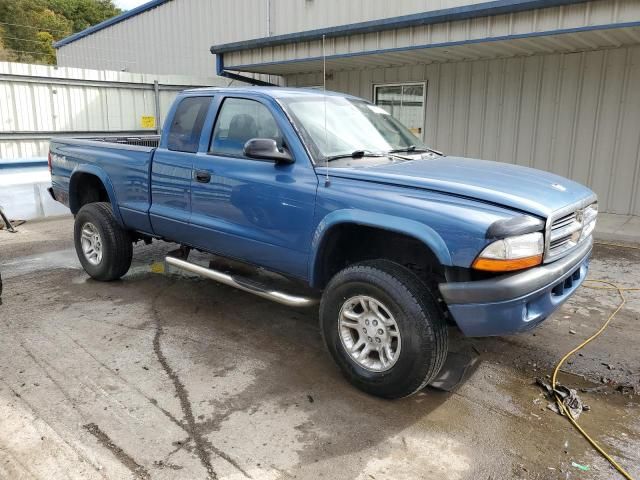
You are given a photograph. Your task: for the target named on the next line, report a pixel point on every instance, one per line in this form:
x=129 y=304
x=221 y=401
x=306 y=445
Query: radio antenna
x=324 y=91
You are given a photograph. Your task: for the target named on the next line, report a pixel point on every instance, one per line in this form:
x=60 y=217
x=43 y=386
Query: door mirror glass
x=266 y=149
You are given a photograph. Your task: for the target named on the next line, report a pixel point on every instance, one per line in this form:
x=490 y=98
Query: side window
x=240 y=120
x=184 y=133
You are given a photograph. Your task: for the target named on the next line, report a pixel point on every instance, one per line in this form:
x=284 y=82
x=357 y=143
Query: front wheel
x=104 y=248
x=383 y=328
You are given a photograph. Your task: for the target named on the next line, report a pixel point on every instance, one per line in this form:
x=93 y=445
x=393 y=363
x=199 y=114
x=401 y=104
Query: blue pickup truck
x=394 y=239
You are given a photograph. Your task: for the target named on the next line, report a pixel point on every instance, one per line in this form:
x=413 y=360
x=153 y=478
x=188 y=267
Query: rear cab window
x=186 y=126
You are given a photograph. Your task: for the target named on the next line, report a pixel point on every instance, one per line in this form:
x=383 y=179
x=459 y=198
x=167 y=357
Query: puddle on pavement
x=40 y=262
x=67 y=259
x=612 y=420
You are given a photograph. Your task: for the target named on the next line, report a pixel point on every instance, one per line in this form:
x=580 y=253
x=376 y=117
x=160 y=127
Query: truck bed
x=123 y=165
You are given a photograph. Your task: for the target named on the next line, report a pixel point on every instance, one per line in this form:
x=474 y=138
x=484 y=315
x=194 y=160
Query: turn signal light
x=493 y=265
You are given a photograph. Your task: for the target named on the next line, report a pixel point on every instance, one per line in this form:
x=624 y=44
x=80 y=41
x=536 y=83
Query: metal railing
x=141 y=141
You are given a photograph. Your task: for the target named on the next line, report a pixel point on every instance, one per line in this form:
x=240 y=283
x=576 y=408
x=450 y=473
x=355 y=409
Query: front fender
x=106 y=182
x=420 y=231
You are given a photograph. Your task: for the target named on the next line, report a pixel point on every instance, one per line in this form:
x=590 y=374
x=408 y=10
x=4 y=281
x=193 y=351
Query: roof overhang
x=488 y=30
x=571 y=40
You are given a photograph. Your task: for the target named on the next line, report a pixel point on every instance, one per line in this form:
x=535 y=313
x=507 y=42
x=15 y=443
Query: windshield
x=351 y=126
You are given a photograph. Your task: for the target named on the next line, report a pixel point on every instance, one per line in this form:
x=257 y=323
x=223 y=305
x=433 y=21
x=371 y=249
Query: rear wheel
x=104 y=248
x=383 y=328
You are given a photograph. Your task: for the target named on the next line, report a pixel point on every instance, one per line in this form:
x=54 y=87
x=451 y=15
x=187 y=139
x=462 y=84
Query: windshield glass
x=351 y=125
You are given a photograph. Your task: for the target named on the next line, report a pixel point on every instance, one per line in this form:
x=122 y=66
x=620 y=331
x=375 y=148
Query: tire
x=113 y=257
x=422 y=341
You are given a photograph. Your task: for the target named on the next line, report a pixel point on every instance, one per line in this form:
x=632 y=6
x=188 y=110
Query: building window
x=405 y=102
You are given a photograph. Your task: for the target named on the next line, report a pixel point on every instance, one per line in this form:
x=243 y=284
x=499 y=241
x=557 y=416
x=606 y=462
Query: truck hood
x=521 y=188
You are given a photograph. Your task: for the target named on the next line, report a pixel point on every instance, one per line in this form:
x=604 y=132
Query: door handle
x=203 y=176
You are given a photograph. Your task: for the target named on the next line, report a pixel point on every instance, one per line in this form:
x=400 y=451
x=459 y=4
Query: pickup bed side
x=85 y=171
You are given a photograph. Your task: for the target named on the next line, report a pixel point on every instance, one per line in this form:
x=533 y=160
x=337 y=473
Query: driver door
x=258 y=211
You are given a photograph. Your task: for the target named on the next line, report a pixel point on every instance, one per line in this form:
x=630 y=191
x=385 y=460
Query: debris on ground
x=10 y=224
x=598 y=389
x=568 y=396
x=626 y=388
x=584 y=468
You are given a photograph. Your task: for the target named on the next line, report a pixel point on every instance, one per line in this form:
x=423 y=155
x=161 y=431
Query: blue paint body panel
x=278 y=215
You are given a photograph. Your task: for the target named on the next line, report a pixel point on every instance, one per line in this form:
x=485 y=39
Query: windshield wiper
x=412 y=149
x=354 y=154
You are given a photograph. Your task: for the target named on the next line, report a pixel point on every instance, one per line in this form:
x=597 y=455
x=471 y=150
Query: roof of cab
x=274 y=92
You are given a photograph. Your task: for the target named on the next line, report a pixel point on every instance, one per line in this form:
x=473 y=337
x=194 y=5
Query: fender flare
x=106 y=182
x=418 y=230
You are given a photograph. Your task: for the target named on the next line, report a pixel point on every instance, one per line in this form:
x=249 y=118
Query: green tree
x=84 y=13
x=28 y=28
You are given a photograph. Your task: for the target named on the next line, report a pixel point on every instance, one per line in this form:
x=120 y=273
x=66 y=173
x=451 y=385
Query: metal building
x=38 y=102
x=553 y=84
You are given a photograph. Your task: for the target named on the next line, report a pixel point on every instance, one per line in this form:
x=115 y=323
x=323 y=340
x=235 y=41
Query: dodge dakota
x=394 y=239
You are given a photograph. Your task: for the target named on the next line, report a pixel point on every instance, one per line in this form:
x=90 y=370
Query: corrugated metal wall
x=175 y=37
x=172 y=38
x=296 y=16
x=574 y=114
x=37 y=101
x=531 y=23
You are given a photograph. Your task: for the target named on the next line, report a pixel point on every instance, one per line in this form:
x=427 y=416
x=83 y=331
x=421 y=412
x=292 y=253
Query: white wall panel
x=576 y=114
x=296 y=15
x=541 y=21
x=175 y=37
x=38 y=101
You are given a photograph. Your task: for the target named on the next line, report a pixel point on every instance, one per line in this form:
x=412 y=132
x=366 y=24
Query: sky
x=129 y=4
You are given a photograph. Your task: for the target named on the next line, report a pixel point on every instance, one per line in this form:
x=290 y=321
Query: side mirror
x=266 y=149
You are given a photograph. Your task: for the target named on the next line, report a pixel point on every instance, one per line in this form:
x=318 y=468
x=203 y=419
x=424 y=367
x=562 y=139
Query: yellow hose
x=611 y=286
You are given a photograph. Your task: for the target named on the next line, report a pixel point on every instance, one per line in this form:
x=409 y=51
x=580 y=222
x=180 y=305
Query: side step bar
x=241 y=284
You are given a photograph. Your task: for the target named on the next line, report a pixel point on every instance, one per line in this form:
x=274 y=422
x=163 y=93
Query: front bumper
x=516 y=302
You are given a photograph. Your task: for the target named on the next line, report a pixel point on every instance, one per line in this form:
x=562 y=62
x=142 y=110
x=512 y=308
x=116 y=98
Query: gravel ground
x=166 y=376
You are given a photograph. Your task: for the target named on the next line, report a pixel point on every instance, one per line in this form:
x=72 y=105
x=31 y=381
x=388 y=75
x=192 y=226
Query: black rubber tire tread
x=419 y=306
x=117 y=245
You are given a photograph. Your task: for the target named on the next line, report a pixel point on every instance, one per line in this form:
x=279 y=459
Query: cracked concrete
x=166 y=376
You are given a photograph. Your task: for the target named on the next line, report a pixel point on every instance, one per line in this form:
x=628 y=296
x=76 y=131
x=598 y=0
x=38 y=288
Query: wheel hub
x=369 y=333
x=91 y=243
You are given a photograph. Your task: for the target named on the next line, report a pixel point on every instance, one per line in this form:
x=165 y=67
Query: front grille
x=564 y=231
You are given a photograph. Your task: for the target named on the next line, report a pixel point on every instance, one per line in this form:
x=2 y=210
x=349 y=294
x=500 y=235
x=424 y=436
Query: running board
x=241 y=284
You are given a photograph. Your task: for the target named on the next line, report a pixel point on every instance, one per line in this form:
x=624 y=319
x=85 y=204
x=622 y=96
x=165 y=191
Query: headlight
x=512 y=253
x=589 y=216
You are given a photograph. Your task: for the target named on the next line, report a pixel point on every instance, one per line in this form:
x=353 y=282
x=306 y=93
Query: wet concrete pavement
x=167 y=376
